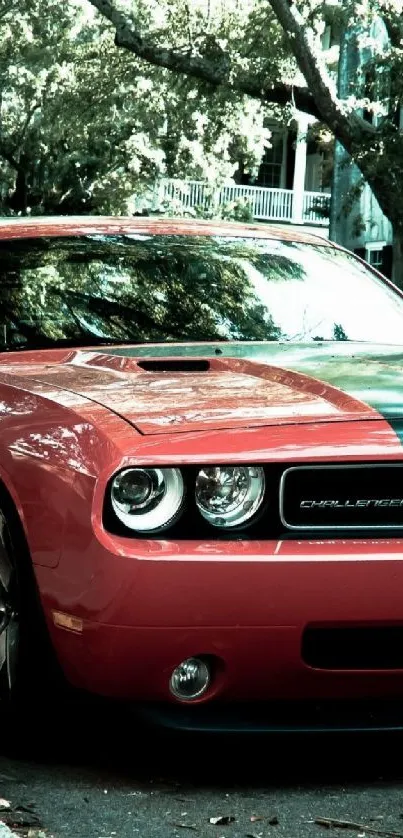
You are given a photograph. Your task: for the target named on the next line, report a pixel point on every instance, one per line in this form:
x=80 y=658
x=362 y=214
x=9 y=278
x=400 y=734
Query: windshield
x=144 y=288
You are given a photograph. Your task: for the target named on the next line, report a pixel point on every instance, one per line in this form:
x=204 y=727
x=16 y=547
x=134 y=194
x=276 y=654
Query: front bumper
x=292 y=717
x=245 y=605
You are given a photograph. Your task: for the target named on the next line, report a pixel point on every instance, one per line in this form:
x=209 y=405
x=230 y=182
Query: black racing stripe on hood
x=396 y=425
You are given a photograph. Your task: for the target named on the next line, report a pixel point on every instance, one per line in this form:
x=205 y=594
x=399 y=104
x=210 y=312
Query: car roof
x=53 y=226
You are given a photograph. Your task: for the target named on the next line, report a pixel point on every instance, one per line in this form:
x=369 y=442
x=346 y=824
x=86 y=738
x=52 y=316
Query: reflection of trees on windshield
x=277 y=267
x=339 y=333
x=119 y=289
x=160 y=288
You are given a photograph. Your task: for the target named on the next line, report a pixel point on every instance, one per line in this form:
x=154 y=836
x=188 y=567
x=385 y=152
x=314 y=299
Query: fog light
x=190 y=679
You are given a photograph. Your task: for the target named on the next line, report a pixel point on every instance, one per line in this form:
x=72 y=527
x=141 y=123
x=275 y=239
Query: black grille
x=379 y=647
x=287 y=520
x=348 y=497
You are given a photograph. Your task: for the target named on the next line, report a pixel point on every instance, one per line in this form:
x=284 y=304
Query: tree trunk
x=397 y=265
x=19 y=199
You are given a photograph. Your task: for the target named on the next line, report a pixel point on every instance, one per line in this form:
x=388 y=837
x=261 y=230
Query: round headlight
x=147 y=499
x=228 y=496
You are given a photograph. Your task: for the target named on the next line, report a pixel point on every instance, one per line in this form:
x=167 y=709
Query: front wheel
x=10 y=606
x=30 y=678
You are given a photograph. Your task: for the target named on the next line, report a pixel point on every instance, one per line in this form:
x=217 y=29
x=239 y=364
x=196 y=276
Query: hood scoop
x=179 y=395
x=175 y=365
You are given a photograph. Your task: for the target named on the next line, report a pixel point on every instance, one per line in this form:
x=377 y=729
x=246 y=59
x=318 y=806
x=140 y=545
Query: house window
x=377 y=90
x=271 y=167
x=374 y=254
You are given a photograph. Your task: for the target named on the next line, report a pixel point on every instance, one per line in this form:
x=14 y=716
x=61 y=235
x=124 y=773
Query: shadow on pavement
x=109 y=738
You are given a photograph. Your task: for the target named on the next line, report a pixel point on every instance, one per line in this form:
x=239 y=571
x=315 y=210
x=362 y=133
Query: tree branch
x=34 y=107
x=217 y=72
x=347 y=126
x=6 y=9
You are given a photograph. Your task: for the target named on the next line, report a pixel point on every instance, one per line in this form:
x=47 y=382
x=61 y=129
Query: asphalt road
x=94 y=775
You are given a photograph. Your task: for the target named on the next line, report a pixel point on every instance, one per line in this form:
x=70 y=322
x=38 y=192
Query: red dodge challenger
x=201 y=472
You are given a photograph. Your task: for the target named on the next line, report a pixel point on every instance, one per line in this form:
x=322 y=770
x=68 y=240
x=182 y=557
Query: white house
x=289 y=187
x=294 y=182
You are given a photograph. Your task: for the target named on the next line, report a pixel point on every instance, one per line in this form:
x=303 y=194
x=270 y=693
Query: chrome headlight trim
x=147 y=500
x=229 y=496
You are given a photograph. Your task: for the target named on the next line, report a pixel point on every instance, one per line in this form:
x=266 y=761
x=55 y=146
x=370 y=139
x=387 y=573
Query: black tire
x=10 y=608
x=30 y=678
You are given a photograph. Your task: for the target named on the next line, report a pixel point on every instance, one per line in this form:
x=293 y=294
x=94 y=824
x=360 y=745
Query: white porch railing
x=274 y=204
x=316 y=208
x=266 y=203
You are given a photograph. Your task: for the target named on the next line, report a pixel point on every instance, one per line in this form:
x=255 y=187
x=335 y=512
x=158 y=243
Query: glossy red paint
x=231 y=393
x=87 y=225
x=160 y=605
x=71 y=419
x=128 y=590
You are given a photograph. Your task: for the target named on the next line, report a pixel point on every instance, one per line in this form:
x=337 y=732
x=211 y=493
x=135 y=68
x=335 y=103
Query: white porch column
x=298 y=185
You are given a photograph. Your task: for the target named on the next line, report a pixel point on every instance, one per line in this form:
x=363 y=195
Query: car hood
x=178 y=389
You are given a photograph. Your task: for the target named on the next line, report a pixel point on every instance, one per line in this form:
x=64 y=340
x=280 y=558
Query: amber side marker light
x=68 y=622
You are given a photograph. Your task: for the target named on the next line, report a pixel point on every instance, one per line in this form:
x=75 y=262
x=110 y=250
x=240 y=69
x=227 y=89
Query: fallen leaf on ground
x=17 y=818
x=224 y=820
x=334 y=823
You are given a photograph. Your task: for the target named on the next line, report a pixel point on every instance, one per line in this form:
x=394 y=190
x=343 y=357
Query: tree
x=84 y=127
x=270 y=50
x=55 y=67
